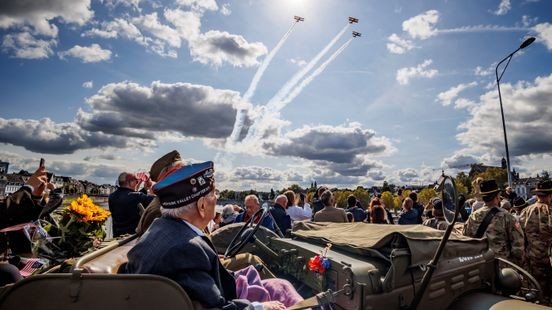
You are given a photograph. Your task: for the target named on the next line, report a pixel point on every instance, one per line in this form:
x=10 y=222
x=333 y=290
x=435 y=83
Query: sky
x=98 y=87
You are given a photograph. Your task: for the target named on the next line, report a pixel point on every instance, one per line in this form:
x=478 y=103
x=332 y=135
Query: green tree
x=461 y=188
x=497 y=174
x=388 y=199
x=363 y=196
x=385 y=187
x=464 y=179
x=425 y=195
x=545 y=175
x=295 y=188
x=341 y=198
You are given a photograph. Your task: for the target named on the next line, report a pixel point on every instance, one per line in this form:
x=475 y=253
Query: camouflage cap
x=162 y=163
x=543 y=188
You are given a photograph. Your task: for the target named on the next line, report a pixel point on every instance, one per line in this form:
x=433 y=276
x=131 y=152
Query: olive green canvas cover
x=380 y=239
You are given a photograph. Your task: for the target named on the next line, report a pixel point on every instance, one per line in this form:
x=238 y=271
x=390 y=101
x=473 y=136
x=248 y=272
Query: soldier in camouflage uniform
x=537 y=223
x=504 y=234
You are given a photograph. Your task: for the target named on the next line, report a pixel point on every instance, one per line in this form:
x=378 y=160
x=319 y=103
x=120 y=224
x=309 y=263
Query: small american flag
x=32 y=265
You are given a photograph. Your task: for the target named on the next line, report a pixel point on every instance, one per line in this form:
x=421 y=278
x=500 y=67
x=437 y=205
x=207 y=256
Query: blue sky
x=99 y=87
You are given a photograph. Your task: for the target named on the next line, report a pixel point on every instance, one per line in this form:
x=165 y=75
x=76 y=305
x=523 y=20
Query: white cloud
x=88 y=84
x=411 y=176
x=149 y=112
x=446 y=97
x=116 y=28
x=527 y=20
x=39 y=14
x=127 y=3
x=461 y=159
x=199 y=5
x=298 y=61
x=225 y=10
x=88 y=54
x=151 y=24
x=405 y=74
x=544 y=34
x=463 y=103
x=407 y=175
x=344 y=150
x=480 y=71
x=187 y=23
x=422 y=26
x=24 y=45
x=125 y=29
x=397 y=45
x=256 y=173
x=528 y=115
x=216 y=47
x=45 y=136
x=503 y=7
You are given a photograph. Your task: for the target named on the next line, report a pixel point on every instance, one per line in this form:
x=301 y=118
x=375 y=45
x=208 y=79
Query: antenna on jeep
x=450 y=209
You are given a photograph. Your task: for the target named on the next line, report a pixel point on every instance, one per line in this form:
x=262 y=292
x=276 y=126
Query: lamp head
x=527 y=42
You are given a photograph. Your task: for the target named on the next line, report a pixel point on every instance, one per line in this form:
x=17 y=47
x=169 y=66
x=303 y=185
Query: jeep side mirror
x=450 y=200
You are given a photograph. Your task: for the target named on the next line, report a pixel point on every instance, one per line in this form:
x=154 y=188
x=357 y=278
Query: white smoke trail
x=297 y=90
x=242 y=113
x=283 y=92
x=272 y=106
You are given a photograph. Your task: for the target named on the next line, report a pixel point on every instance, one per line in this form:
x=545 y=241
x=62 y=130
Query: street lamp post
x=498 y=78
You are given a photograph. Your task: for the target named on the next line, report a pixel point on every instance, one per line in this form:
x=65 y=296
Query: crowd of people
x=176 y=210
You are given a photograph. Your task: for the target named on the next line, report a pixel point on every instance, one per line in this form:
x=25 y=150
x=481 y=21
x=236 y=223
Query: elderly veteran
x=166 y=166
x=175 y=246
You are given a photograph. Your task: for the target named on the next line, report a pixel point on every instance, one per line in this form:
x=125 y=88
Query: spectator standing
x=378 y=215
x=317 y=205
x=160 y=169
x=409 y=215
x=23 y=206
x=359 y=214
x=417 y=206
x=278 y=212
x=123 y=203
x=330 y=213
x=300 y=210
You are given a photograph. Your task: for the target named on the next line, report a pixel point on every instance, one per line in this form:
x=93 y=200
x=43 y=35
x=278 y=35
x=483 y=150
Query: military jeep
x=371 y=266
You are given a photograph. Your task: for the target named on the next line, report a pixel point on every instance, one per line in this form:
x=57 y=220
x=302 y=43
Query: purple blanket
x=250 y=286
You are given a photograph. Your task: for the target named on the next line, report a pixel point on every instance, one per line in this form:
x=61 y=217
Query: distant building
x=58 y=182
x=4 y=167
x=14 y=181
x=3 y=183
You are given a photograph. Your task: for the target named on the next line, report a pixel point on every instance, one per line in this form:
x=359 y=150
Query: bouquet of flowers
x=80 y=226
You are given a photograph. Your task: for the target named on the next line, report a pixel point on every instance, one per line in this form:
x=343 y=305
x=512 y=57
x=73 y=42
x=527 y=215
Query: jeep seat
x=95 y=291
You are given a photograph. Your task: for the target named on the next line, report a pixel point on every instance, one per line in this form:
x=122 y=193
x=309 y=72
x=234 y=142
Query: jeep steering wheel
x=246 y=234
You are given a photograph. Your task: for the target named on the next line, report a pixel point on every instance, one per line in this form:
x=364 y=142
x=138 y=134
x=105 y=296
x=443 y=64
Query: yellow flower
x=85 y=210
